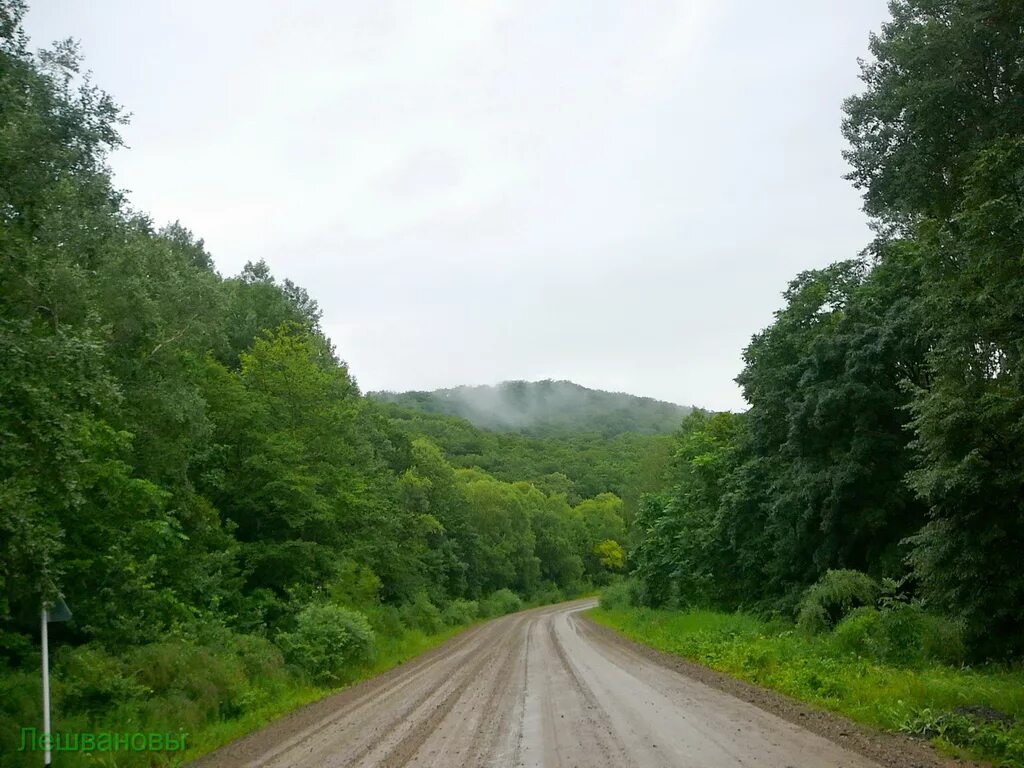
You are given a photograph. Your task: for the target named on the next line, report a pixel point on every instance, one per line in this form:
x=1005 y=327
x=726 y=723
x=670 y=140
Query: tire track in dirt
x=407 y=748
x=574 y=720
x=473 y=723
x=396 y=728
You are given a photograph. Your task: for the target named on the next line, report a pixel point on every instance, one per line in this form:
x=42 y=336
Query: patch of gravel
x=895 y=750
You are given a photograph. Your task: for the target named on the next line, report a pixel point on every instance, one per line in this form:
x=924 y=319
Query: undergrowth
x=217 y=685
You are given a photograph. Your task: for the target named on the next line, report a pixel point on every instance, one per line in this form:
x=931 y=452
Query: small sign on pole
x=58 y=611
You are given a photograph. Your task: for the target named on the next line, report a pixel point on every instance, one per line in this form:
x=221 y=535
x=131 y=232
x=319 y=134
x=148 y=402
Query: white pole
x=46 y=691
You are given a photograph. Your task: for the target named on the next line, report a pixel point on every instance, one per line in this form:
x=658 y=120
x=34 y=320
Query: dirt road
x=539 y=688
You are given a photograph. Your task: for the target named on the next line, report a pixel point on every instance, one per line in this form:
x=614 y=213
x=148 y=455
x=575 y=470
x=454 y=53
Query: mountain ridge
x=545 y=407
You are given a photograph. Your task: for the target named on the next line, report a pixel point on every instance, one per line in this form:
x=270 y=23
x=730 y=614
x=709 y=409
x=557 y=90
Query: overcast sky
x=614 y=193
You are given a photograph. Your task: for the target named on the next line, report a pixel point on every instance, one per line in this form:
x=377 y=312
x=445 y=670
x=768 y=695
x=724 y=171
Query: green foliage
x=990 y=733
x=96 y=680
x=620 y=594
x=430 y=489
x=500 y=513
x=686 y=546
x=386 y=620
x=944 y=174
x=549 y=593
x=175 y=684
x=500 y=602
x=576 y=465
x=603 y=520
x=422 y=614
x=216 y=686
x=328 y=641
x=610 y=555
x=969 y=422
x=837 y=593
x=558 y=542
x=901 y=634
x=826 y=427
x=355 y=585
x=919 y=123
x=460 y=612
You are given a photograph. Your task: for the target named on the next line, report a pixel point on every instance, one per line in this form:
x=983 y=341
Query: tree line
x=546 y=409
x=885 y=431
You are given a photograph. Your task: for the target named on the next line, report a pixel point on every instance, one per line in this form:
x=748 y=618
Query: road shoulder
x=889 y=749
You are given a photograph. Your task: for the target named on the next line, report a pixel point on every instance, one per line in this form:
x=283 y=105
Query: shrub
x=902 y=634
x=987 y=732
x=620 y=594
x=355 y=586
x=942 y=640
x=213 y=679
x=461 y=611
x=95 y=680
x=328 y=642
x=903 y=629
x=500 y=602
x=386 y=620
x=860 y=633
x=547 y=594
x=259 y=657
x=422 y=614
x=20 y=694
x=834 y=595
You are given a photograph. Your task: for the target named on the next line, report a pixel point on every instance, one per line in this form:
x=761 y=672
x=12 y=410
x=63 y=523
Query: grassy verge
x=391 y=652
x=977 y=712
x=214 y=693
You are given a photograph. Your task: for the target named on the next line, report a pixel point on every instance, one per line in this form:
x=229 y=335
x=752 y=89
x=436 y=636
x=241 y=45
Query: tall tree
x=944 y=81
x=969 y=421
x=936 y=147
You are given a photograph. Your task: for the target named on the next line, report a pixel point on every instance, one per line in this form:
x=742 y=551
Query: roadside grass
x=975 y=712
x=214 y=702
x=391 y=652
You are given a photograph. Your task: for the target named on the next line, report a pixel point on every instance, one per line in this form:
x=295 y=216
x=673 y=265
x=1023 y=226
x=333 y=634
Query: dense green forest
x=885 y=433
x=577 y=465
x=546 y=408
x=188 y=463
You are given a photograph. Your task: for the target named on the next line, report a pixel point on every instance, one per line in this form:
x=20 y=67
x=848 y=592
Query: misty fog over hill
x=546 y=407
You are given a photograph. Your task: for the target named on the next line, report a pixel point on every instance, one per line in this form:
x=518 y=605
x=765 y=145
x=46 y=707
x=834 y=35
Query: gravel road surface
x=538 y=688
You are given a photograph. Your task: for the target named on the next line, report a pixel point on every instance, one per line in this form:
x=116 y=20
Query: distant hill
x=544 y=408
